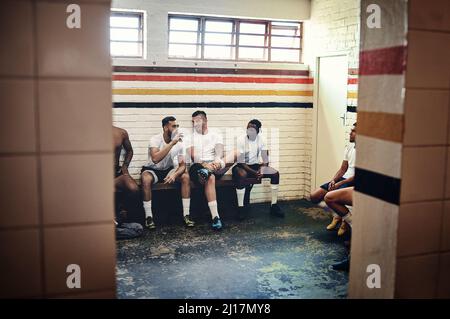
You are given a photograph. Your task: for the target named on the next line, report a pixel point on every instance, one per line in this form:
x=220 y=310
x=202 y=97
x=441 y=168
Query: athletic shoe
x=149 y=223
x=242 y=213
x=343 y=229
x=217 y=224
x=343 y=265
x=188 y=222
x=334 y=222
x=275 y=210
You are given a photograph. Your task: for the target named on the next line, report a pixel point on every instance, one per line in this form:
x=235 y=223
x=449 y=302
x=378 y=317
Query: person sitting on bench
x=250 y=148
x=205 y=149
x=342 y=179
x=166 y=164
x=122 y=179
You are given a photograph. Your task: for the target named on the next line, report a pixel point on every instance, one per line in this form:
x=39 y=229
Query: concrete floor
x=262 y=257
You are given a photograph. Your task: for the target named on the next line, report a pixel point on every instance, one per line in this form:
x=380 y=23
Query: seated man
x=206 y=151
x=250 y=148
x=342 y=179
x=337 y=201
x=166 y=165
x=122 y=179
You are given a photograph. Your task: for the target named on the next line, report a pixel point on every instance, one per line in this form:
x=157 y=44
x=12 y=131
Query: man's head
x=169 y=124
x=199 y=121
x=353 y=133
x=253 y=128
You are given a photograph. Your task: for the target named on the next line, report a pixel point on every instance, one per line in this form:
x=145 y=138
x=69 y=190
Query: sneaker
x=242 y=213
x=343 y=265
x=334 y=223
x=188 y=222
x=275 y=210
x=149 y=223
x=343 y=229
x=217 y=224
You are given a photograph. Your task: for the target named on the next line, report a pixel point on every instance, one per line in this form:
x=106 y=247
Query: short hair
x=196 y=113
x=167 y=119
x=257 y=123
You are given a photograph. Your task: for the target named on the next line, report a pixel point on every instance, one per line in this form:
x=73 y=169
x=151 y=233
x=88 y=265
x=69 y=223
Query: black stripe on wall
x=351 y=109
x=380 y=186
x=162 y=69
x=208 y=105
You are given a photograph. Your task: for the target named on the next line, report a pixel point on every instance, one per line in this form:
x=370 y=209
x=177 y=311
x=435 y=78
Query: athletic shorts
x=325 y=186
x=158 y=175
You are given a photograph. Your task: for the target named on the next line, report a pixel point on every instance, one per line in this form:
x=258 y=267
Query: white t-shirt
x=349 y=156
x=171 y=158
x=204 y=144
x=251 y=149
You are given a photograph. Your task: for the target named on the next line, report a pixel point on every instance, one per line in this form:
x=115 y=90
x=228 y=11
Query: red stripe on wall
x=353 y=71
x=383 y=61
x=165 y=78
x=353 y=81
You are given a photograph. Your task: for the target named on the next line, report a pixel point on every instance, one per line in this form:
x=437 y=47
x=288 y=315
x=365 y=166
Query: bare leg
x=337 y=200
x=147 y=182
x=318 y=195
x=185 y=185
x=210 y=189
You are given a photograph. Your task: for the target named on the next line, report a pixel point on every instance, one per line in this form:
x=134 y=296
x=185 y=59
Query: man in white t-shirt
x=205 y=149
x=166 y=164
x=250 y=148
x=343 y=179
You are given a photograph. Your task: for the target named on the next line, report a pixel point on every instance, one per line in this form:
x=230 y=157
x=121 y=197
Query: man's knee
x=133 y=188
x=329 y=198
x=184 y=178
x=147 y=180
x=211 y=180
x=316 y=197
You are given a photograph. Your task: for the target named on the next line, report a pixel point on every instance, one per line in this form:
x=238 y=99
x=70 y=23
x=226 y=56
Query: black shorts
x=158 y=175
x=325 y=186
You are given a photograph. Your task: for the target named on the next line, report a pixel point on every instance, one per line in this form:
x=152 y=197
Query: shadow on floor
x=262 y=257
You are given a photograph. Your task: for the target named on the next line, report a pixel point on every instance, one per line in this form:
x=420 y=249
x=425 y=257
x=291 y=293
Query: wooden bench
x=224 y=181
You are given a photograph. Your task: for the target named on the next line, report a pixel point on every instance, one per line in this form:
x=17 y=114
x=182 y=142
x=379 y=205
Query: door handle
x=343 y=117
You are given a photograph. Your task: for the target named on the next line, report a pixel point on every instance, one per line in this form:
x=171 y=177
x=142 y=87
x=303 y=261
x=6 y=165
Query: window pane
x=218 y=52
x=253 y=53
x=284 y=55
x=259 y=28
x=124 y=34
x=183 y=50
x=124 y=21
x=125 y=49
x=285 y=42
x=217 y=38
x=183 y=24
x=183 y=37
x=254 y=40
x=285 y=28
x=218 y=26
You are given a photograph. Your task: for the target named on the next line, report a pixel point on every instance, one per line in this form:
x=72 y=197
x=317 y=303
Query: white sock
x=240 y=196
x=274 y=188
x=213 y=208
x=148 y=208
x=186 y=205
x=348 y=219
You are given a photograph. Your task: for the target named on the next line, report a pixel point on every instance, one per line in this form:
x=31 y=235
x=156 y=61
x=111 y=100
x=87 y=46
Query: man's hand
x=124 y=170
x=177 y=138
x=212 y=166
x=170 y=179
x=331 y=185
x=258 y=174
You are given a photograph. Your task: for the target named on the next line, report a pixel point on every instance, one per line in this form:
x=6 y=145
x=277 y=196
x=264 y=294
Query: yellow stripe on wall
x=209 y=92
x=352 y=95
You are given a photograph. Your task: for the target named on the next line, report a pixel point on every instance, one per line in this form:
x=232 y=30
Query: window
x=211 y=38
x=126 y=34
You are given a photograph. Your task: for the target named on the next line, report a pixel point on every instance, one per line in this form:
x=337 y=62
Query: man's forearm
x=162 y=153
x=338 y=175
x=180 y=170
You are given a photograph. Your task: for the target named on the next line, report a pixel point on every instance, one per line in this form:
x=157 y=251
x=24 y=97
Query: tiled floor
x=263 y=257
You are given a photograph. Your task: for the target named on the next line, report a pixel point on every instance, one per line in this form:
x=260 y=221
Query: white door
x=331 y=109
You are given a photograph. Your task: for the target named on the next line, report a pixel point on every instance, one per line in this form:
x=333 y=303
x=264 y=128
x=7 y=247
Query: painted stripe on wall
x=383 y=126
x=383 y=61
x=381 y=93
x=209 y=105
x=165 y=78
x=153 y=69
x=383 y=187
x=210 y=92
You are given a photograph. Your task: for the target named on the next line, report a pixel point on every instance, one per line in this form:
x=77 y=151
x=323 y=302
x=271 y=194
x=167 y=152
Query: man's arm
x=128 y=153
x=345 y=181
x=158 y=155
x=338 y=175
x=178 y=172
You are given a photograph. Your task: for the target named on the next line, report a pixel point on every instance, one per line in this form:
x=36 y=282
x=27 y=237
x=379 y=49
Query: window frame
x=142 y=32
x=235 y=37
